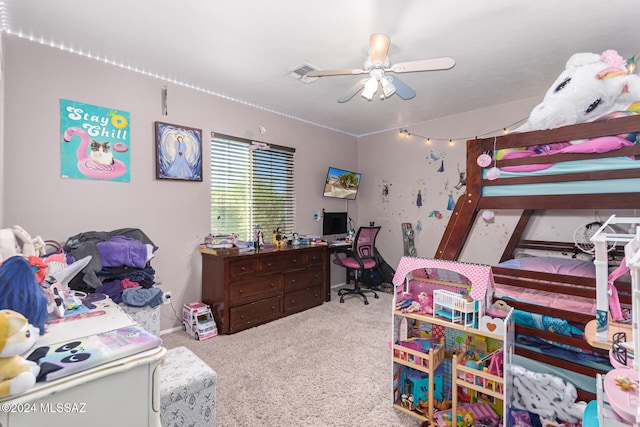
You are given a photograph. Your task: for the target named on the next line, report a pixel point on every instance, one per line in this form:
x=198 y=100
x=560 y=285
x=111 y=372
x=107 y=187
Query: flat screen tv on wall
x=341 y=184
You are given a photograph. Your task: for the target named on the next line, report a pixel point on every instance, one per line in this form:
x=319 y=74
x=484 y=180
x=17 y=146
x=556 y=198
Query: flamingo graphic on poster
x=88 y=166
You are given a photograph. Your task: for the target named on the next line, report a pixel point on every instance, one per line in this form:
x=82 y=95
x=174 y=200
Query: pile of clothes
x=119 y=265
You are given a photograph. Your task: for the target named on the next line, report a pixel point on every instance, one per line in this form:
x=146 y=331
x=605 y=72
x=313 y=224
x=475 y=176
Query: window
x=251 y=186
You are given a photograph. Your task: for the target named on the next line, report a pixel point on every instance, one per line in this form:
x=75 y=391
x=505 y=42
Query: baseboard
x=168 y=331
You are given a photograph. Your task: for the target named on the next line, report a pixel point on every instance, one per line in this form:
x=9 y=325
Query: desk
x=122 y=392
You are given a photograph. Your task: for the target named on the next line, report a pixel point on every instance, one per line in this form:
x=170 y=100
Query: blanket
x=595 y=145
x=546 y=395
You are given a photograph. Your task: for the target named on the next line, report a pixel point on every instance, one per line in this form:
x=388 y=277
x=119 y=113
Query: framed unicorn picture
x=178 y=152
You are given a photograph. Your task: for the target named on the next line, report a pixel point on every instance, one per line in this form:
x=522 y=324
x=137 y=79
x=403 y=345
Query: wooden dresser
x=249 y=289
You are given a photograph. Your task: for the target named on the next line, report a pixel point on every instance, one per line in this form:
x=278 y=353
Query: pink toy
x=86 y=165
x=426 y=303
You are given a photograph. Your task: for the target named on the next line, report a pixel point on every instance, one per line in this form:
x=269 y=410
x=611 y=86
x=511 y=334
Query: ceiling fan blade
x=379 y=48
x=403 y=91
x=353 y=91
x=323 y=73
x=432 y=64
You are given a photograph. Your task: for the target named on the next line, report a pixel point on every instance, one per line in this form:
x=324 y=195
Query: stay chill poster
x=94 y=142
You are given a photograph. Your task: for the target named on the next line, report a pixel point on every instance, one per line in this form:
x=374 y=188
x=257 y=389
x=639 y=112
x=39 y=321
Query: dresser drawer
x=302 y=279
x=281 y=261
x=314 y=257
x=255 y=288
x=240 y=267
x=302 y=299
x=254 y=314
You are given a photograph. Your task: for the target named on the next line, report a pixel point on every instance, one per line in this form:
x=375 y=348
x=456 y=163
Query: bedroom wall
x=406 y=165
x=174 y=214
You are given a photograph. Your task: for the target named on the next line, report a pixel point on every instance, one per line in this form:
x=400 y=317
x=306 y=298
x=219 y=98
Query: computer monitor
x=334 y=223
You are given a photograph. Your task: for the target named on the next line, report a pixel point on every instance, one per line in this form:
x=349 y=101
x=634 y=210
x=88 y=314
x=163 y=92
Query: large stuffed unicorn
x=590 y=87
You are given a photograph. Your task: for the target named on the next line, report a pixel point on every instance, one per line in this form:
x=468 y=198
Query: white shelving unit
x=612 y=411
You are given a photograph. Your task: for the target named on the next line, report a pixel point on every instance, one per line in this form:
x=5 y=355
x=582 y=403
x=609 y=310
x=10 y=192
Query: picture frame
x=178 y=152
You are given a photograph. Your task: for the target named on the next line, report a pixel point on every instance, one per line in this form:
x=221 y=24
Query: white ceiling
x=505 y=50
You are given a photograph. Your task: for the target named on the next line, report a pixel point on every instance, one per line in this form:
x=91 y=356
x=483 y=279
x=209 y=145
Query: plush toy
x=17 y=374
x=590 y=87
x=426 y=303
x=21 y=292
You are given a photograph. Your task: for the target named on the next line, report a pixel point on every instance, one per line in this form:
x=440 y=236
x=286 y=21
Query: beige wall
x=174 y=214
x=412 y=164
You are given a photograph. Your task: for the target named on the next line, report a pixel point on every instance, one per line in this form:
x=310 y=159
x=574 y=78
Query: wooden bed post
x=466 y=210
x=517 y=235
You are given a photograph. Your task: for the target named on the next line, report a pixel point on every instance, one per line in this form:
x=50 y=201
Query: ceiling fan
x=377 y=64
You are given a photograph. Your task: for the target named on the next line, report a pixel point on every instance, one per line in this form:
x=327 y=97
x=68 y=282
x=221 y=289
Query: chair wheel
x=376 y=296
x=342 y=300
x=366 y=302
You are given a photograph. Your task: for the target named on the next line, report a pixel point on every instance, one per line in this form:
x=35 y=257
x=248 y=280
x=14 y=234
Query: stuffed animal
x=17 y=374
x=21 y=292
x=590 y=87
x=426 y=303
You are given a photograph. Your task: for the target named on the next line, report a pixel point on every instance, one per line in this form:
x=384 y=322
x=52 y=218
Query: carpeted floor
x=327 y=366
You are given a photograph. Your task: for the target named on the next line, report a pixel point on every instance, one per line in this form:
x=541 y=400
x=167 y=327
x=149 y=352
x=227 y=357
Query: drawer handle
x=293 y=280
x=243 y=268
x=241 y=290
x=268 y=264
x=272 y=284
x=242 y=316
x=294 y=261
x=272 y=307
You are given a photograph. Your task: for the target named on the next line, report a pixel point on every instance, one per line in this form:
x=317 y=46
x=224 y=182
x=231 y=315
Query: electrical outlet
x=166 y=297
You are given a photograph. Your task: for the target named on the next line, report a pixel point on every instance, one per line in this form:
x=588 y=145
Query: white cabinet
x=124 y=392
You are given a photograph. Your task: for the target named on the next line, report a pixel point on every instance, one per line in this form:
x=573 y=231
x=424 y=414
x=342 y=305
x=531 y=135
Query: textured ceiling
x=244 y=50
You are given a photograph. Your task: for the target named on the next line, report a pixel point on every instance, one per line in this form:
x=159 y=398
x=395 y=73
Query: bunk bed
x=605 y=176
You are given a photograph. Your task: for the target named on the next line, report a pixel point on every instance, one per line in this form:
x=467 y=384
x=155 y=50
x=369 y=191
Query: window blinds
x=251 y=187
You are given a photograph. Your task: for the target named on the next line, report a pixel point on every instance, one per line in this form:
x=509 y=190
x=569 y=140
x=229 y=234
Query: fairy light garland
x=404 y=133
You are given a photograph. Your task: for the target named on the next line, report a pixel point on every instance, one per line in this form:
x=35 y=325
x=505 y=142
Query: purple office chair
x=359 y=258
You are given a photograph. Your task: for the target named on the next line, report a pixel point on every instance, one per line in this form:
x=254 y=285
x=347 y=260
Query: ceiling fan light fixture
x=379 y=47
x=370 y=88
x=388 y=88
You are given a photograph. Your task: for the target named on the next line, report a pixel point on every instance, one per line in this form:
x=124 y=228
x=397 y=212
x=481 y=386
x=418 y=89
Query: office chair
x=359 y=258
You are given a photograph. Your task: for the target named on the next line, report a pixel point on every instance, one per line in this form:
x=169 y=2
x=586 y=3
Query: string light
x=404 y=133
x=631 y=64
